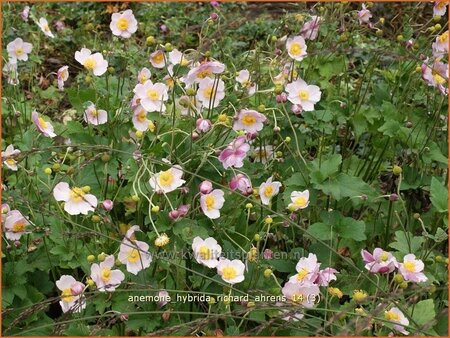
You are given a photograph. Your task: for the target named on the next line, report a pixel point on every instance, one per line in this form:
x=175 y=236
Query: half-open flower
x=152 y=95
x=296 y=47
x=233 y=155
x=71 y=298
x=299 y=92
x=15 y=225
x=212 y=203
x=411 y=269
x=123 y=24
x=249 y=120
x=300 y=200
x=206 y=251
x=43 y=25
x=95 y=116
x=134 y=253
x=76 y=201
x=380 y=261
x=92 y=62
x=168 y=180
x=19 y=50
x=268 y=189
x=43 y=126
x=231 y=271
x=104 y=276
x=8 y=157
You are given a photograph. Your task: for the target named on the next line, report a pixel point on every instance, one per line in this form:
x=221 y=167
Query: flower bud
x=155 y=209
x=101 y=257
x=397 y=170
x=107 y=205
x=203 y=125
x=281 y=98
x=214 y=16
x=90 y=258
x=268 y=254
x=205 y=187
x=77 y=288
x=48 y=171
x=393 y=197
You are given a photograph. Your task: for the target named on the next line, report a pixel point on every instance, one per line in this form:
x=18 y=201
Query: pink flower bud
x=393 y=197
x=163 y=28
x=107 y=205
x=203 y=125
x=195 y=135
x=123 y=317
x=183 y=210
x=137 y=155
x=174 y=214
x=214 y=16
x=241 y=182
x=251 y=136
x=17 y=244
x=184 y=190
x=268 y=254
x=77 y=288
x=296 y=109
x=205 y=187
x=281 y=98
x=164 y=298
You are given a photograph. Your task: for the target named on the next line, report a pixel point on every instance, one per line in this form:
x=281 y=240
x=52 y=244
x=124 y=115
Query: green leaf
x=334 y=224
x=321 y=171
x=344 y=185
x=424 y=312
x=401 y=243
x=439 y=195
x=321 y=231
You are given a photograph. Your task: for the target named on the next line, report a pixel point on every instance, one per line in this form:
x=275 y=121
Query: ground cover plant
x=224 y=169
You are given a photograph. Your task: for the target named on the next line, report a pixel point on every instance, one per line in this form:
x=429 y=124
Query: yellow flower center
x=10 y=161
x=296 y=49
x=94 y=112
x=391 y=315
x=66 y=295
x=410 y=266
x=89 y=63
x=204 y=252
x=204 y=73
x=437 y=77
x=443 y=37
x=384 y=256
x=441 y=5
x=122 y=24
x=248 y=120
x=209 y=201
x=184 y=62
x=166 y=178
x=45 y=27
x=208 y=92
x=76 y=194
x=18 y=227
x=134 y=256
x=105 y=274
x=302 y=274
x=153 y=94
x=42 y=123
x=268 y=191
x=229 y=272
x=300 y=201
x=158 y=58
x=19 y=51
x=303 y=94
x=142 y=116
